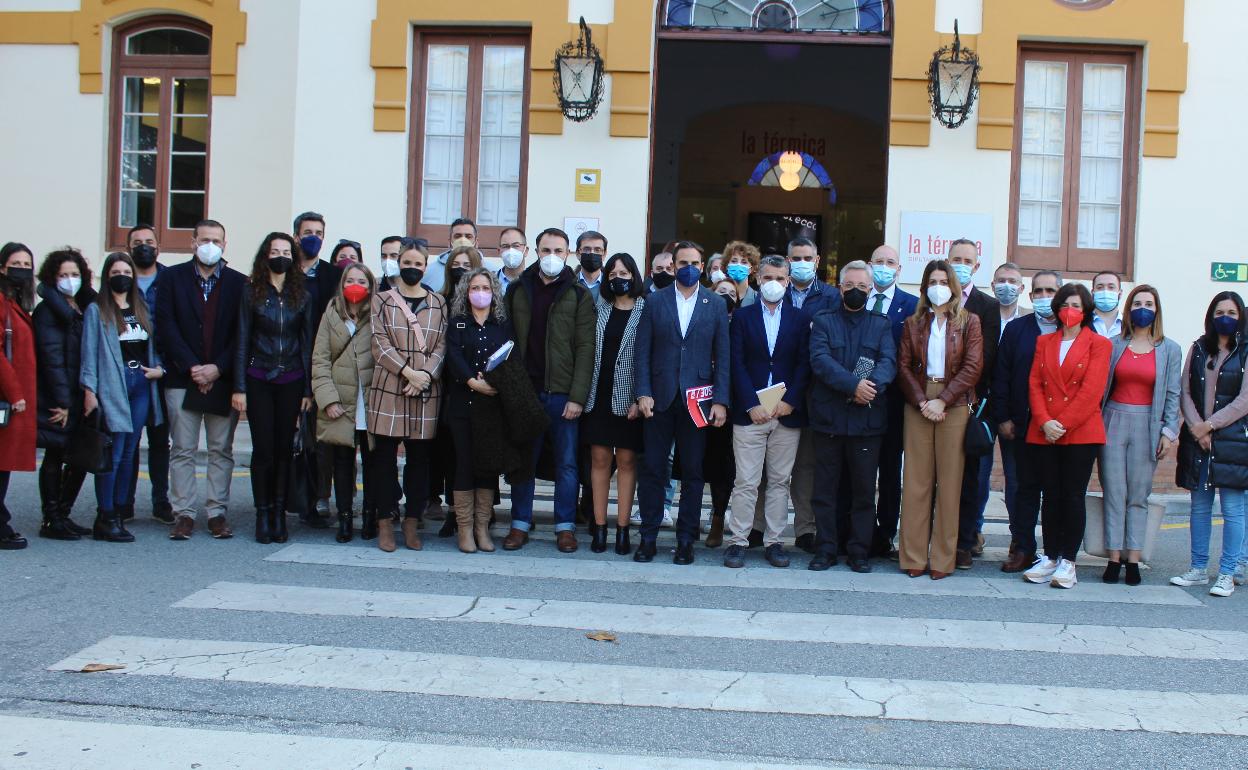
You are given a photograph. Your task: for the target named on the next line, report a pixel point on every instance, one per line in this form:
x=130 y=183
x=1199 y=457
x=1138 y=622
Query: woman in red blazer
x=1068 y=377
x=17 y=377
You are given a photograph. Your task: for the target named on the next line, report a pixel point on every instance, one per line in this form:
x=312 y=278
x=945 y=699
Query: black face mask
x=411 y=275
x=662 y=280
x=120 y=284
x=620 y=286
x=144 y=256
x=854 y=299
x=730 y=301
x=457 y=273
x=590 y=262
x=22 y=276
x=280 y=265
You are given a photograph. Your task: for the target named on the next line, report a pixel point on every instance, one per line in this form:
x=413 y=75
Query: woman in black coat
x=65 y=288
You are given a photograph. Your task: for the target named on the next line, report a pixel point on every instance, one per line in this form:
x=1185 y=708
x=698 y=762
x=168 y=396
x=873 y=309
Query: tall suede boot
x=482 y=511
x=464 y=504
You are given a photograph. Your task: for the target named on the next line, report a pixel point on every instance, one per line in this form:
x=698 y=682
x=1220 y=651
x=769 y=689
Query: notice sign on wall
x=588 y=185
x=926 y=235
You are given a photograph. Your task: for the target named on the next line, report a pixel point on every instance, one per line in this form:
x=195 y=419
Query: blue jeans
x=563 y=435
x=114 y=490
x=1233 y=502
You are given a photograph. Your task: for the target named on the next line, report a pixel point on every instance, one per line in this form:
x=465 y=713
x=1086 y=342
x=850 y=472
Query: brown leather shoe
x=914 y=572
x=411 y=533
x=978 y=549
x=385 y=534
x=183 y=527
x=962 y=560
x=938 y=575
x=219 y=528
x=1018 y=562
x=715 y=538
x=515 y=539
x=565 y=541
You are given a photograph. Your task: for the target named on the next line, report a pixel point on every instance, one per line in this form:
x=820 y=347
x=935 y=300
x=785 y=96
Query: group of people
x=737 y=369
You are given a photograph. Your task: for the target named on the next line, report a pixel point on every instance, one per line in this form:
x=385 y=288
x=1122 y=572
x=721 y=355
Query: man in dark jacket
x=145 y=251
x=1011 y=411
x=197 y=331
x=853 y=359
x=554 y=322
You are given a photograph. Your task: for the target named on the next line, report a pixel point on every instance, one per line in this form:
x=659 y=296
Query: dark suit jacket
x=752 y=364
x=667 y=364
x=180 y=324
x=821 y=297
x=321 y=289
x=1010 y=397
x=902 y=307
x=989 y=312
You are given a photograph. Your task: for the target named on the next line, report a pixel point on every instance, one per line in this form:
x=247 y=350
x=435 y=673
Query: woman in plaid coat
x=409 y=327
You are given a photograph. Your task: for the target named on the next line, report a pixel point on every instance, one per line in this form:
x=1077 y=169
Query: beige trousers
x=184 y=428
x=801 y=488
x=934 y=457
x=769 y=445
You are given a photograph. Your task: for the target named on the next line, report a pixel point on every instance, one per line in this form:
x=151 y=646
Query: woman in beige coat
x=342 y=372
x=409 y=328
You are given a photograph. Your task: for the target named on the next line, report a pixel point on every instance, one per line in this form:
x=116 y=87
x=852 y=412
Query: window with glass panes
x=469 y=138
x=1076 y=159
x=161 y=115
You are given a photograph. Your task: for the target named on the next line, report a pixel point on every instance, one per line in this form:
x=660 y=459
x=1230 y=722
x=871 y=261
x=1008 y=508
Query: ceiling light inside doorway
x=789 y=181
x=953 y=82
x=790 y=162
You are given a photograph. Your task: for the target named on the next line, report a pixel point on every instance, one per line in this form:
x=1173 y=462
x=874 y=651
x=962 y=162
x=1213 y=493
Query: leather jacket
x=964 y=359
x=275 y=337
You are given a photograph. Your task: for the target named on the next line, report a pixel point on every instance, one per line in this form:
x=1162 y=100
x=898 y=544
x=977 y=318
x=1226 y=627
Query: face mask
x=772 y=291
x=552 y=265
x=1105 y=301
x=279 y=265
x=1043 y=306
x=1007 y=293
x=481 y=298
x=390 y=268
x=730 y=301
x=411 y=275
x=311 y=246
x=688 y=275
x=462 y=240
x=590 y=262
x=620 y=286
x=882 y=276
x=1070 y=316
x=120 y=284
x=662 y=280
x=208 y=254
x=738 y=272
x=512 y=258
x=1225 y=324
x=717 y=276
x=802 y=272
x=144 y=256
x=355 y=293
x=1142 y=317
x=938 y=295
x=854 y=299
x=342 y=263
x=456 y=273
x=69 y=286
x=20 y=275
x=963 y=272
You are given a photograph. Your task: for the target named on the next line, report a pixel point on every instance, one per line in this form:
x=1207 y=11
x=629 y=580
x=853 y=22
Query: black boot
x=449 y=527
x=1111 y=572
x=64 y=510
x=345 y=524
x=598 y=537
x=277 y=523
x=54 y=527
x=108 y=527
x=1133 y=573
x=622 y=545
x=368 y=524
x=263 y=535
x=126 y=512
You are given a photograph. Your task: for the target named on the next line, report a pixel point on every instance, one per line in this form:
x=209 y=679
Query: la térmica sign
x=927 y=235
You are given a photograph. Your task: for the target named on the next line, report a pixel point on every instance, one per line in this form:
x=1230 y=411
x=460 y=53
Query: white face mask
x=69 y=286
x=208 y=254
x=552 y=265
x=717 y=276
x=938 y=295
x=772 y=291
x=390 y=268
x=512 y=258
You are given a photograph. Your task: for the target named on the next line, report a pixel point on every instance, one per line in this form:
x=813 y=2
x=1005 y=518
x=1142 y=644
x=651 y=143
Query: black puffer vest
x=1228 y=459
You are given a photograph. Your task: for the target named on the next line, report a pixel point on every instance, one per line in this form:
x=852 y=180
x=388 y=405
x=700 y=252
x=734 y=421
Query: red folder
x=698 y=400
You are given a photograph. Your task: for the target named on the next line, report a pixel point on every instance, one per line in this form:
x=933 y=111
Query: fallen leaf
x=601 y=636
x=92 y=668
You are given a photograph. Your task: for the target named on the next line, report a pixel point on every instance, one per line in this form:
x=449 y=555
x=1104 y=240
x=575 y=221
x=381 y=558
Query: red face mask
x=1070 y=316
x=355 y=293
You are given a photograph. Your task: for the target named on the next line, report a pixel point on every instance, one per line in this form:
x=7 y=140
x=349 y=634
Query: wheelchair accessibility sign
x=1229 y=271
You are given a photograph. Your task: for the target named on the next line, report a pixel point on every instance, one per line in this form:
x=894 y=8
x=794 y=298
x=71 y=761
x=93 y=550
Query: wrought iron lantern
x=578 y=77
x=953 y=82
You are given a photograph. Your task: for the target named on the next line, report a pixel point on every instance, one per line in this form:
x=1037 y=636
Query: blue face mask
x=1007 y=293
x=883 y=276
x=1105 y=301
x=311 y=245
x=688 y=276
x=963 y=272
x=1225 y=324
x=1043 y=306
x=738 y=272
x=1142 y=317
x=802 y=272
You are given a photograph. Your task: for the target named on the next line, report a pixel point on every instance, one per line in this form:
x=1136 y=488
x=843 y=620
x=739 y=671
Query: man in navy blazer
x=898 y=305
x=769 y=346
x=682 y=343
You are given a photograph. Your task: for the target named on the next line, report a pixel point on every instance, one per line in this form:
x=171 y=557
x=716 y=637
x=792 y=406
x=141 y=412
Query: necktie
x=878 y=307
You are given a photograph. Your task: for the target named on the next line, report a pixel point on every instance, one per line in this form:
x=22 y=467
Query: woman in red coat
x=1068 y=377
x=17 y=376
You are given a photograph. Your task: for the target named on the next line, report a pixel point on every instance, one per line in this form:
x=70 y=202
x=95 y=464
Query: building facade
x=1100 y=137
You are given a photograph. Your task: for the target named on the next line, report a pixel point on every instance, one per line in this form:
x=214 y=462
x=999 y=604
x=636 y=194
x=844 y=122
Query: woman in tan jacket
x=942 y=353
x=409 y=328
x=342 y=371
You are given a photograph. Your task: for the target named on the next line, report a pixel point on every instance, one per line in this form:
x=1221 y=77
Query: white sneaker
x=667 y=519
x=1241 y=575
x=1041 y=571
x=1225 y=586
x=1193 y=577
x=635 y=517
x=706 y=526
x=1064 y=576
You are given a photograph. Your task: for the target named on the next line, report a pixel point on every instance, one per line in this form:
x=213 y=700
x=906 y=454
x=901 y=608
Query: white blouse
x=936 y=348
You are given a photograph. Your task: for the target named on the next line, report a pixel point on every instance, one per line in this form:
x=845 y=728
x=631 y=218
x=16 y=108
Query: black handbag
x=91 y=450
x=981 y=434
x=301 y=481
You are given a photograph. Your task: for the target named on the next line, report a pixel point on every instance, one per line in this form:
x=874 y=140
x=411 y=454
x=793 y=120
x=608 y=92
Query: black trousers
x=888 y=506
x=272 y=411
x=465 y=478
x=1064 y=474
x=441 y=470
x=343 y=466
x=415 y=475
x=59 y=483
x=851 y=459
x=157 y=461
x=5 y=516
x=668 y=425
x=1027 y=499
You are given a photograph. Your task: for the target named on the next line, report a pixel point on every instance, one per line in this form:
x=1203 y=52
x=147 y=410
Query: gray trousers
x=1126 y=467
x=184 y=428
